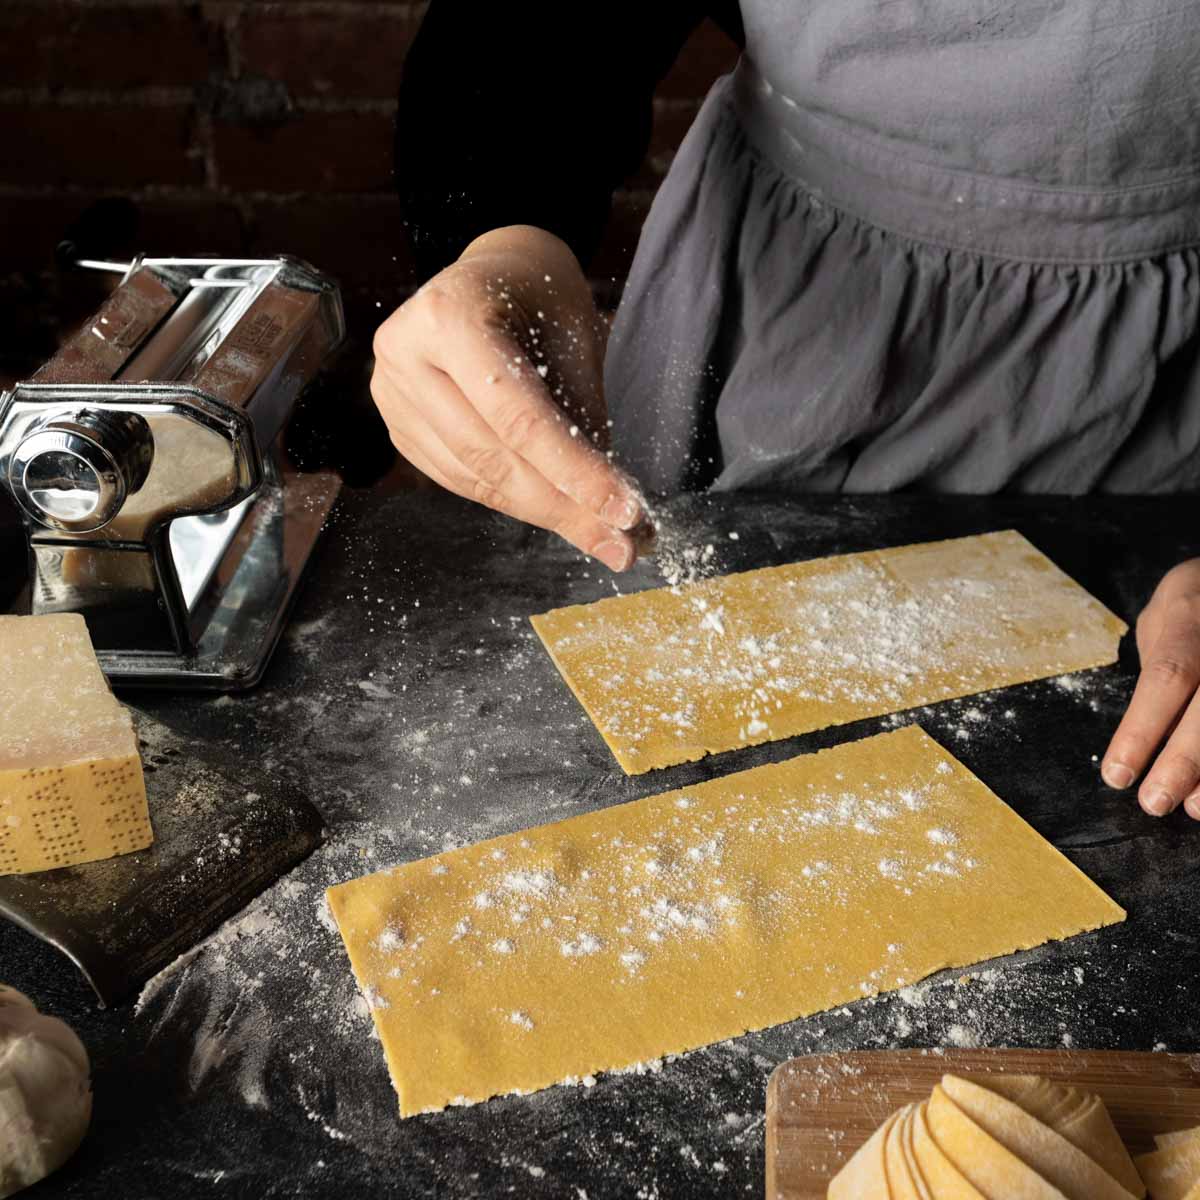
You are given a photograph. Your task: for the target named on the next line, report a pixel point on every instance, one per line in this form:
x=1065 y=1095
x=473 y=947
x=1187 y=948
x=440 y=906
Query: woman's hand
x=490 y=381
x=1165 y=703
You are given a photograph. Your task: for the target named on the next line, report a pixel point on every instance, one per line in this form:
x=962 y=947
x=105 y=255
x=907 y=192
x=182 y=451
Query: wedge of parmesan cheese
x=71 y=785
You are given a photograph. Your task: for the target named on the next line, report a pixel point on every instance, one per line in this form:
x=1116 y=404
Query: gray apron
x=938 y=244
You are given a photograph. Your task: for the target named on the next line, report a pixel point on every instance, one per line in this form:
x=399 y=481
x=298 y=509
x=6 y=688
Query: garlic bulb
x=45 y=1097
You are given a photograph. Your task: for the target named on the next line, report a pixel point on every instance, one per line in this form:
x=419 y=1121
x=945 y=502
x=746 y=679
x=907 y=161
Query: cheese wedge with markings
x=71 y=784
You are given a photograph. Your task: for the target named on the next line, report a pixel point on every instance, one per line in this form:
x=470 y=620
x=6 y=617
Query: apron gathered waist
x=879 y=184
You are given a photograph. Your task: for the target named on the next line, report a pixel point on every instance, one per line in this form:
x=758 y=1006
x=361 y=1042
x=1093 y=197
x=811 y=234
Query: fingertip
x=1117 y=775
x=1157 y=801
x=621 y=512
x=1191 y=806
x=616 y=555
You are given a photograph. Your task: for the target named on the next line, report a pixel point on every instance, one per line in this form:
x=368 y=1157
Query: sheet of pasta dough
x=673 y=674
x=650 y=928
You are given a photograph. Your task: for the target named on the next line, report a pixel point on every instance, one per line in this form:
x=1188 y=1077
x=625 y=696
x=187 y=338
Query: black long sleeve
x=530 y=113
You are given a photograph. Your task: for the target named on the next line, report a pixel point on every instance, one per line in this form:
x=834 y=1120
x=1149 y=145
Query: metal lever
x=127 y=269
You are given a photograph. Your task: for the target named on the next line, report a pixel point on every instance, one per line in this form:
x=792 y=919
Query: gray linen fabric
x=938 y=244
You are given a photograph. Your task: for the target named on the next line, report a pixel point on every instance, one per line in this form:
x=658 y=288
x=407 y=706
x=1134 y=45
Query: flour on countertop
x=241 y=988
x=390 y=754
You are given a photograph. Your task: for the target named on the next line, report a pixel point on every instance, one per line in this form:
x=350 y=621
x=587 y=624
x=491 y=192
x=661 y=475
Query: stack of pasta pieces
x=1002 y=1137
x=1172 y=1172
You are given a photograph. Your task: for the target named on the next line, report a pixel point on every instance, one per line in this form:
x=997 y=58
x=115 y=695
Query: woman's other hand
x=490 y=379
x=1165 y=703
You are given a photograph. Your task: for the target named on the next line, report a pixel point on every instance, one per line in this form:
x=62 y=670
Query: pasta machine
x=147 y=461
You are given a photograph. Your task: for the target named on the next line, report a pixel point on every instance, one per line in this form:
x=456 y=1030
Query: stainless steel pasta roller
x=147 y=461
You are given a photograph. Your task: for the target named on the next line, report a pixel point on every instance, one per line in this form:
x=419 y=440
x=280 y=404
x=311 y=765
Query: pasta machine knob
x=74 y=471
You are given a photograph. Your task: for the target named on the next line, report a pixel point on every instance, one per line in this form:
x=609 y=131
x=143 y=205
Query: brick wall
x=234 y=127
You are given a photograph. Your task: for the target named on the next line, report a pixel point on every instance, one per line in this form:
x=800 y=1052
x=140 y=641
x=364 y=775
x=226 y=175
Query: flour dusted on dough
x=650 y=928
x=672 y=674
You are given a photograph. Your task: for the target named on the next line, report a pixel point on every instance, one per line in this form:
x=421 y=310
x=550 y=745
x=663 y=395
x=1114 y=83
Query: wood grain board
x=821 y=1108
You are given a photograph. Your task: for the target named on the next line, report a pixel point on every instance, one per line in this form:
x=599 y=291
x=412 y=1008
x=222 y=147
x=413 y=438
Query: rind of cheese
x=1074 y=1114
x=988 y=1165
x=71 y=784
x=1076 y=1175
x=1172 y=1173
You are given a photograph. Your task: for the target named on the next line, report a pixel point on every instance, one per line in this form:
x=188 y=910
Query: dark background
x=235 y=127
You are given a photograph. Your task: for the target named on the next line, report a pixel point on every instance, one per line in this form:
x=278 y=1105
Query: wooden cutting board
x=820 y=1109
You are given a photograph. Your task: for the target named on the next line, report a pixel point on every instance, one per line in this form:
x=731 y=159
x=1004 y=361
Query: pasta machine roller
x=147 y=461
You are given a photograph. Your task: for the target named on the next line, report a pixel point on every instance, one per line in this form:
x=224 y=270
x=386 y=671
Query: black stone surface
x=413 y=704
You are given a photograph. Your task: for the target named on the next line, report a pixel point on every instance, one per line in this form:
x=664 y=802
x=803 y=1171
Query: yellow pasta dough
x=915 y=1172
x=901 y=1171
x=673 y=674
x=1162 y=1140
x=945 y=1180
x=1055 y=1159
x=991 y=1168
x=988 y=1139
x=1078 y=1116
x=865 y=1176
x=1091 y=1129
x=1172 y=1173
x=649 y=928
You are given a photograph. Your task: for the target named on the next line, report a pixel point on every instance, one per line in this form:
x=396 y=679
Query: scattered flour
x=585 y=944
x=962 y=1036
x=851 y=635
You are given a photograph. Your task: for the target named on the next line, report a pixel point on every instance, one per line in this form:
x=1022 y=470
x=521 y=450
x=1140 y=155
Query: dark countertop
x=412 y=701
